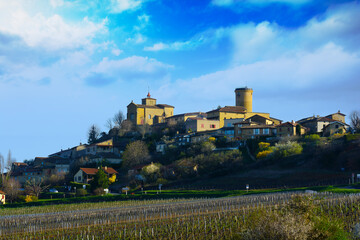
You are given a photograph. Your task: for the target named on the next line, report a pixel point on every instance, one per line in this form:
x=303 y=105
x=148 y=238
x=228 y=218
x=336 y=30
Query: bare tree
x=355 y=120
x=126 y=126
x=109 y=124
x=118 y=119
x=11 y=188
x=93 y=134
x=9 y=163
x=2 y=168
x=136 y=153
x=143 y=129
x=35 y=187
x=56 y=179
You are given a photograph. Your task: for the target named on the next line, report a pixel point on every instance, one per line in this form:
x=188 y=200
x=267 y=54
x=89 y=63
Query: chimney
x=292 y=121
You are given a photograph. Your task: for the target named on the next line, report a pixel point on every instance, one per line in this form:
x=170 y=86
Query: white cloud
x=210 y=36
x=144 y=18
x=116 y=51
x=118 y=6
x=52 y=33
x=321 y=58
x=266 y=40
x=324 y=73
x=137 y=39
x=133 y=68
x=56 y=3
x=131 y=64
x=157 y=47
x=143 y=22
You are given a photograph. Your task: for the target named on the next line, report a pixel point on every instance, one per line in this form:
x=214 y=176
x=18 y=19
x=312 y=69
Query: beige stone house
x=201 y=124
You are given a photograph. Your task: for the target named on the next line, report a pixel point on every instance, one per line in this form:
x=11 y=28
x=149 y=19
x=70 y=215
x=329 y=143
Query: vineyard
x=263 y=216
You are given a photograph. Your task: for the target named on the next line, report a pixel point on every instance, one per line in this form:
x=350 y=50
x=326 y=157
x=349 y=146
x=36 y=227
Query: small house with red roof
x=85 y=175
x=2 y=197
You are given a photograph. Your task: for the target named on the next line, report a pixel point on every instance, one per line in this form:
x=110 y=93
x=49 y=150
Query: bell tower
x=243 y=98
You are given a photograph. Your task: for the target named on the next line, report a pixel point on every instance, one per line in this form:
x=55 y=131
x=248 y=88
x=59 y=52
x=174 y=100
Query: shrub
x=81 y=192
x=151 y=172
x=338 y=135
x=312 y=137
x=272 y=225
x=79 y=185
x=352 y=137
x=263 y=154
x=263 y=145
x=286 y=149
x=161 y=181
x=30 y=198
x=99 y=191
x=112 y=179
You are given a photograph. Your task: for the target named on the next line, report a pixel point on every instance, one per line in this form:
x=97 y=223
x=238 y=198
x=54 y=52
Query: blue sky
x=67 y=64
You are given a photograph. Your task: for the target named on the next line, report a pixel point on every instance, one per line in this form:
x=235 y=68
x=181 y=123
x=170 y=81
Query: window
x=229 y=132
x=132 y=116
x=256 y=131
x=229 y=124
x=336 y=126
x=265 y=131
x=149 y=116
x=202 y=125
x=239 y=131
x=79 y=178
x=212 y=125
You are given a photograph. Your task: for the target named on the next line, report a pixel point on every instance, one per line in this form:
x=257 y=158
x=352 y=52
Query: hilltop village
x=153 y=146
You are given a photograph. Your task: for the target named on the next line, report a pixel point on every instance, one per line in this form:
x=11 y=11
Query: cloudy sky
x=67 y=64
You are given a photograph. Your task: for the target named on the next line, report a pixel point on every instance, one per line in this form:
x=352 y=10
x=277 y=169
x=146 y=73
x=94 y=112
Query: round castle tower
x=243 y=98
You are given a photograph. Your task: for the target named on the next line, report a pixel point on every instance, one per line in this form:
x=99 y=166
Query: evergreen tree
x=93 y=134
x=100 y=180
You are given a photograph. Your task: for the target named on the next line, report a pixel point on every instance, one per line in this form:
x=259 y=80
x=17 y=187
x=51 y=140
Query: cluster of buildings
x=233 y=122
x=59 y=163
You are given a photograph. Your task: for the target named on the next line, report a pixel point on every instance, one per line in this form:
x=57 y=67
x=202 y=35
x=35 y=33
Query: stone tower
x=244 y=98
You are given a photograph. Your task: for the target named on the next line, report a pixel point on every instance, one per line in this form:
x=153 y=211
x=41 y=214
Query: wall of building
x=250 y=133
x=286 y=131
x=337 y=117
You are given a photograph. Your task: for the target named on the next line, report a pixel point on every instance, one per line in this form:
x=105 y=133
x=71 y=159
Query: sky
x=68 y=64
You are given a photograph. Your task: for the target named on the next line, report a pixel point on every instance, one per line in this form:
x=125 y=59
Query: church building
x=148 y=112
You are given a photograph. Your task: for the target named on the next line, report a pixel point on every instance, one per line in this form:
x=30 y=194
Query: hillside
x=322 y=161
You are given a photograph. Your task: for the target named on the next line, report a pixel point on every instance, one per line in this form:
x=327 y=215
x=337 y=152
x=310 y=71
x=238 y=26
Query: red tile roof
x=1 y=192
x=93 y=171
